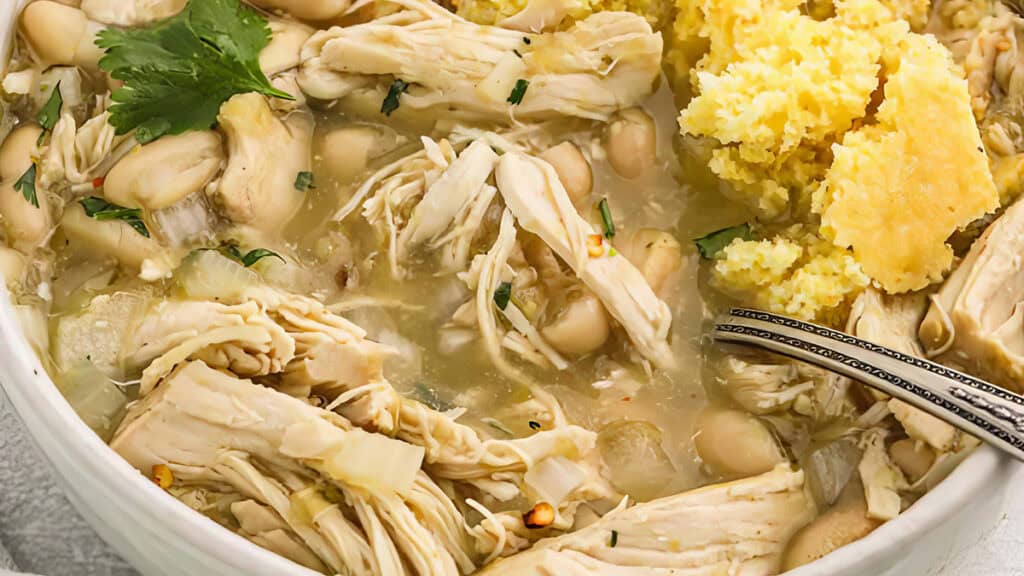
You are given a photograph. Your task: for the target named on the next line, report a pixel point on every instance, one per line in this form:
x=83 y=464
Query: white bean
x=108 y=238
x=735 y=443
x=573 y=169
x=12 y=267
x=345 y=153
x=61 y=35
x=27 y=226
x=286 y=40
x=657 y=255
x=631 y=143
x=913 y=457
x=847 y=521
x=307 y=9
x=581 y=328
x=16 y=151
x=166 y=171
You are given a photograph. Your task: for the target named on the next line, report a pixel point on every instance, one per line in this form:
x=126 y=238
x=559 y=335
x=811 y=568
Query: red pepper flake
x=626 y=398
x=97 y=183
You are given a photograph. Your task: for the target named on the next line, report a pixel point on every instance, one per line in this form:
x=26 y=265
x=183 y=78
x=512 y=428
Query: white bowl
x=161 y=537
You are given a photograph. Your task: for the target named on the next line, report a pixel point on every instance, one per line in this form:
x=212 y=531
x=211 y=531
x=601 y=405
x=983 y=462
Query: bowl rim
x=36 y=399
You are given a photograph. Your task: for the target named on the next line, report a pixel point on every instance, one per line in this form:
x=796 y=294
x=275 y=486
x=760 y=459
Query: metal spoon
x=990 y=413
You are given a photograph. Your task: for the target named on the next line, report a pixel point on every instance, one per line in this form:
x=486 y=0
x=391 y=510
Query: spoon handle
x=990 y=413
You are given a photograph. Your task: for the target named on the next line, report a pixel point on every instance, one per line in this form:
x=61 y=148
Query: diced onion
x=497 y=86
x=95 y=398
x=554 y=478
x=208 y=275
x=376 y=462
x=307 y=504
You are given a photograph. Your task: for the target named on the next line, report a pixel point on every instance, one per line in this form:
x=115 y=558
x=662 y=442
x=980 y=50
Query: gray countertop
x=41 y=533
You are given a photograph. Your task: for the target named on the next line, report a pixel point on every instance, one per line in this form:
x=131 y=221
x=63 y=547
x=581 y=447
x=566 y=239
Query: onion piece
x=95 y=398
x=375 y=462
x=555 y=478
x=208 y=275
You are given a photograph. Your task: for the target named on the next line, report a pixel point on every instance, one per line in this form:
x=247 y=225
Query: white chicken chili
x=396 y=287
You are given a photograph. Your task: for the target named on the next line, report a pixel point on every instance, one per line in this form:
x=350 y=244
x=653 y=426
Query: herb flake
x=249 y=258
x=534 y=425
x=27 y=186
x=518 y=91
x=709 y=246
x=99 y=209
x=178 y=72
x=502 y=295
x=390 y=103
x=606 y=218
x=615 y=539
x=50 y=112
x=304 y=181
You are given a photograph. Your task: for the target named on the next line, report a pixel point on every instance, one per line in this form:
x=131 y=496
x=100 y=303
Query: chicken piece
x=844 y=523
x=432 y=199
x=162 y=173
x=95 y=334
x=307 y=9
x=209 y=427
x=975 y=320
x=893 y=321
x=740 y=527
x=131 y=12
x=283 y=51
x=79 y=154
x=265 y=154
x=455 y=66
x=882 y=479
x=533 y=192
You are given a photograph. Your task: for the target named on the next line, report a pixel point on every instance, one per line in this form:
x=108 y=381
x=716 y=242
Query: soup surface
x=394 y=287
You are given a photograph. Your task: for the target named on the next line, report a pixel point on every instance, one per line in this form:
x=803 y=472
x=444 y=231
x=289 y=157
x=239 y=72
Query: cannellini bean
x=631 y=143
x=582 y=327
x=131 y=12
x=61 y=35
x=286 y=40
x=840 y=525
x=108 y=237
x=16 y=151
x=12 y=267
x=345 y=153
x=572 y=168
x=913 y=457
x=307 y=9
x=166 y=171
x=27 y=226
x=657 y=255
x=736 y=443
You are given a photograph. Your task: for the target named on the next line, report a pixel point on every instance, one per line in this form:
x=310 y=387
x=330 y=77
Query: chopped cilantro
x=50 y=112
x=27 y=186
x=304 y=181
x=100 y=209
x=179 y=71
x=503 y=294
x=534 y=425
x=518 y=91
x=615 y=538
x=390 y=103
x=709 y=246
x=251 y=257
x=606 y=218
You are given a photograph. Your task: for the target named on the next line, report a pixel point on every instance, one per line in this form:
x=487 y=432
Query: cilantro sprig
x=50 y=112
x=178 y=72
x=26 y=184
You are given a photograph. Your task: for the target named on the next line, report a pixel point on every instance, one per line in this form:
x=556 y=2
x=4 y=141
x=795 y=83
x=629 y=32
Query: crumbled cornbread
x=899 y=188
x=794 y=273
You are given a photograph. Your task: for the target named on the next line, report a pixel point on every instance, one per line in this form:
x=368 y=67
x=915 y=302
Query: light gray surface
x=39 y=530
x=41 y=533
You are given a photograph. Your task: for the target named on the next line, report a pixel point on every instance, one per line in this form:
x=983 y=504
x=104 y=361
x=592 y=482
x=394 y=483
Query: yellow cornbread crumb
x=897 y=189
x=794 y=273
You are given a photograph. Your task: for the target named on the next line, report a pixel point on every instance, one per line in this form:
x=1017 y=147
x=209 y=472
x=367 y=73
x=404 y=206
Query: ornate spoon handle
x=992 y=414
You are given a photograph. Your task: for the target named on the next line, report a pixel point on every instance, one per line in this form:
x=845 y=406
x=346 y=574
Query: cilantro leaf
x=178 y=72
x=709 y=246
x=253 y=256
x=50 y=112
x=502 y=295
x=390 y=103
x=518 y=91
x=100 y=209
x=606 y=218
x=304 y=181
x=27 y=185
